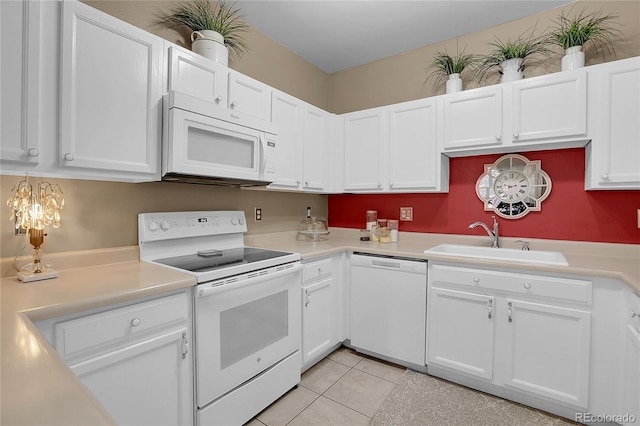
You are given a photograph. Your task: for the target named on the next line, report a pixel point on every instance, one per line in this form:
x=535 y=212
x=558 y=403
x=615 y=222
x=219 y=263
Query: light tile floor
x=343 y=389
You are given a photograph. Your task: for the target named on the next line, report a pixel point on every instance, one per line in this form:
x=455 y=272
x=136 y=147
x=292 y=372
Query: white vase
x=210 y=44
x=511 y=70
x=454 y=84
x=573 y=59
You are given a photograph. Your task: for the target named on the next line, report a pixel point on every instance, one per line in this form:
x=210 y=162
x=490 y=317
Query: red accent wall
x=569 y=213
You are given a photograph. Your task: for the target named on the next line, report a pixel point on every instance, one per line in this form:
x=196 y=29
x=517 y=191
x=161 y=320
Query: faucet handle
x=525 y=244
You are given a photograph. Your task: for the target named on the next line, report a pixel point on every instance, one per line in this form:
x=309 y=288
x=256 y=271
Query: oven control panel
x=172 y=225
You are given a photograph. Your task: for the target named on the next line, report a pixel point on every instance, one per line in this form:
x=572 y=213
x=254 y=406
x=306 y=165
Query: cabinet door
x=461 y=331
x=548 y=351
x=110 y=92
x=473 y=118
x=364 y=141
x=249 y=96
x=631 y=405
x=19 y=82
x=318 y=320
x=197 y=76
x=413 y=152
x=286 y=114
x=146 y=383
x=614 y=157
x=316 y=134
x=553 y=107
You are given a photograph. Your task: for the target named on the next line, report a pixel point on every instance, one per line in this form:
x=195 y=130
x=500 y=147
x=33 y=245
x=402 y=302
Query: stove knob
x=153 y=226
x=241 y=221
x=165 y=225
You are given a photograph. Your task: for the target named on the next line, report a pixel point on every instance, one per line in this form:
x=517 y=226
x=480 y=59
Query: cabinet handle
x=69 y=156
x=476 y=280
x=516 y=135
x=218 y=99
x=298 y=182
x=135 y=322
x=509 y=312
x=320 y=271
x=604 y=176
x=236 y=117
x=307 y=299
x=490 y=309
x=185 y=345
x=306 y=183
x=390 y=184
x=634 y=314
x=233 y=104
x=33 y=152
x=498 y=138
x=379 y=184
x=527 y=286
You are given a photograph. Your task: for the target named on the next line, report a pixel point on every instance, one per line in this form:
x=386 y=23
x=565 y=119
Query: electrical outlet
x=638 y=218
x=258 y=214
x=406 y=214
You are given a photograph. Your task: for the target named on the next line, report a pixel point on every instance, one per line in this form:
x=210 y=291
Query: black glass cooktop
x=209 y=260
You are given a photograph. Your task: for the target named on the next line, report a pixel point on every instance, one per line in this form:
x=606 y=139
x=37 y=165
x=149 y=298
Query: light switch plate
x=406 y=214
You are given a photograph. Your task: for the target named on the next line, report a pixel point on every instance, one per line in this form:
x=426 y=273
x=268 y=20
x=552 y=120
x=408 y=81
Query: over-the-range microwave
x=206 y=143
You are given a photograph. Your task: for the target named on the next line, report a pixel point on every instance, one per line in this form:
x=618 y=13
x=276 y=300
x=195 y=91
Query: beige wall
x=105 y=214
x=402 y=78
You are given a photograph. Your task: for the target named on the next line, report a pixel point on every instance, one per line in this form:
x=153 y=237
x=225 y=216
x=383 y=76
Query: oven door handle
x=244 y=280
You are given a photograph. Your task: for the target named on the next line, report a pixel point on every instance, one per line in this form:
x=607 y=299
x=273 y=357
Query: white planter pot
x=454 y=84
x=511 y=70
x=210 y=44
x=573 y=59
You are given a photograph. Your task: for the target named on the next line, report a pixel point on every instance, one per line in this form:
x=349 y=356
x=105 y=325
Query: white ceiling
x=339 y=34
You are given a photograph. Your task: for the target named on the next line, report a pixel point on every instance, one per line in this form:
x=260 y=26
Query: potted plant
x=448 y=68
x=509 y=58
x=571 y=34
x=216 y=27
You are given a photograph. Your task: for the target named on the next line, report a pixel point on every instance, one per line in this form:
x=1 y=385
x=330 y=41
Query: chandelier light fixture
x=32 y=211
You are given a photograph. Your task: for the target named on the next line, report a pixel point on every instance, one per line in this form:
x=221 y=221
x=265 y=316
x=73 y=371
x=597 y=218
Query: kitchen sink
x=501 y=254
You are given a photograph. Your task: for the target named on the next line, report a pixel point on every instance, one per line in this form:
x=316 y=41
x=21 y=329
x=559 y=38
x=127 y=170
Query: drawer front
x=318 y=269
x=80 y=335
x=558 y=288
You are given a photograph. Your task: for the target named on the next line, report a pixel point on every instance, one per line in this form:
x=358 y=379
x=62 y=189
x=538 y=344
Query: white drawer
x=535 y=285
x=84 y=334
x=317 y=269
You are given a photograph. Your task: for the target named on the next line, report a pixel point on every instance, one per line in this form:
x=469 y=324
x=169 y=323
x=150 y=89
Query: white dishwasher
x=388 y=301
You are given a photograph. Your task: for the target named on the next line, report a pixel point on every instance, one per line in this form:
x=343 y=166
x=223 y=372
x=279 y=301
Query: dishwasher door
x=388 y=304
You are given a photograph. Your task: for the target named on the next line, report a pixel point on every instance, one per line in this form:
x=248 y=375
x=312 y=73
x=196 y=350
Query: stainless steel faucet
x=494 y=235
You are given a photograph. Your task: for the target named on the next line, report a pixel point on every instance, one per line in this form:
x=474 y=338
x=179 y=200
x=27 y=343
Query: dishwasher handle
x=389 y=263
x=386 y=264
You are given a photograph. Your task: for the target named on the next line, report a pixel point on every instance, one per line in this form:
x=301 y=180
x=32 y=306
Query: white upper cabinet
x=394 y=149
x=613 y=156
x=473 y=118
x=111 y=91
x=365 y=138
x=415 y=162
x=303 y=144
x=539 y=113
x=249 y=96
x=197 y=76
x=19 y=85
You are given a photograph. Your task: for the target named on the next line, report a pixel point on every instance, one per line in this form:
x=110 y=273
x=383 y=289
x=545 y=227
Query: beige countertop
x=37 y=387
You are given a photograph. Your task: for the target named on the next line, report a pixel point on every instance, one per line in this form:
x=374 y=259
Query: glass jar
x=393 y=229
x=372 y=218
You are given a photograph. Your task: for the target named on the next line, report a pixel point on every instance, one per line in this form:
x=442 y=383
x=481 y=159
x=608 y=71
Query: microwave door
x=204 y=146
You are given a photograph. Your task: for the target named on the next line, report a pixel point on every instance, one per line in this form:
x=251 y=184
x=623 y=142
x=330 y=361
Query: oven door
x=244 y=325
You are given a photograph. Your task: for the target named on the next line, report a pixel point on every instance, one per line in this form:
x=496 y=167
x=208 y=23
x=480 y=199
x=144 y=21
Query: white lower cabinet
x=631 y=395
x=527 y=333
x=135 y=359
x=321 y=308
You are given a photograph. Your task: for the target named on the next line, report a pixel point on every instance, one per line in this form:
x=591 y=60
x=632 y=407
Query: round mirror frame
x=513 y=186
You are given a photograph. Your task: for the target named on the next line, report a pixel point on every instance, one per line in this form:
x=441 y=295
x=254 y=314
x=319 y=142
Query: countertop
x=38 y=388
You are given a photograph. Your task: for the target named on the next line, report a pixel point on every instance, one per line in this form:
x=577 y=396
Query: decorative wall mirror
x=513 y=186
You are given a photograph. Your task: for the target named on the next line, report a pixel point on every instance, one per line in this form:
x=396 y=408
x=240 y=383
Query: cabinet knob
x=33 y=152
x=135 y=322
x=69 y=156
x=527 y=286
x=218 y=99
x=233 y=104
x=634 y=314
x=516 y=135
x=604 y=176
x=476 y=280
x=498 y=138
x=379 y=184
x=298 y=182
x=390 y=184
x=306 y=183
x=319 y=270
